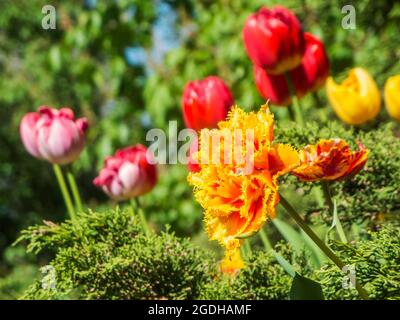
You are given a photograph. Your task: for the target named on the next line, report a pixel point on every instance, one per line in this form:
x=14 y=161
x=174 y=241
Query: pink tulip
x=128 y=174
x=53 y=135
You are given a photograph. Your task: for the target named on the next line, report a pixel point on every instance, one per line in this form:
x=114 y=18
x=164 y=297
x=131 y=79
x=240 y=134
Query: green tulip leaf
x=284 y=264
x=305 y=289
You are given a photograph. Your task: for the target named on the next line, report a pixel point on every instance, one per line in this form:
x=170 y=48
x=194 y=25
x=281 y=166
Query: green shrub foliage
x=262 y=278
x=376 y=262
x=375 y=191
x=107 y=256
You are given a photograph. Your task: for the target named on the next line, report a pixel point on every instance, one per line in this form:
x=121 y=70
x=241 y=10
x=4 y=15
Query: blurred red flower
x=313 y=71
x=309 y=76
x=274 y=39
x=205 y=103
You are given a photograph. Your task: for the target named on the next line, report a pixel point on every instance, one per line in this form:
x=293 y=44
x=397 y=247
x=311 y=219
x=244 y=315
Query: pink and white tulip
x=53 y=135
x=127 y=174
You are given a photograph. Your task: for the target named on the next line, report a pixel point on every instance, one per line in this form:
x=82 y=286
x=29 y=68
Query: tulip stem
x=292 y=113
x=64 y=191
x=265 y=240
x=295 y=101
x=247 y=248
x=332 y=210
x=317 y=100
x=75 y=191
x=142 y=218
x=325 y=249
x=328 y=195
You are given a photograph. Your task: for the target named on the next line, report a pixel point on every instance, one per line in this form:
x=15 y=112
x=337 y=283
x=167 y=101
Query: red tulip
x=313 y=71
x=274 y=39
x=53 y=135
x=205 y=103
x=128 y=173
x=310 y=75
x=272 y=87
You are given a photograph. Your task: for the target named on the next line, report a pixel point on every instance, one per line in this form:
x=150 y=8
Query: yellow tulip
x=357 y=99
x=392 y=96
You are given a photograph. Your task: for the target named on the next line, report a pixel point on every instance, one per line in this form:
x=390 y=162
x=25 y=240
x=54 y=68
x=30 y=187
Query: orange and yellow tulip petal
x=232 y=263
x=330 y=160
x=237 y=201
x=392 y=96
x=357 y=99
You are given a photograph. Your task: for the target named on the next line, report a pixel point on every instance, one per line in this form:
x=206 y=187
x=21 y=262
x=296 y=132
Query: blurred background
x=123 y=65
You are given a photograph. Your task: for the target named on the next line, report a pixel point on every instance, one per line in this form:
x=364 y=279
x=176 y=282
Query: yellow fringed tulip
x=237 y=203
x=357 y=99
x=392 y=96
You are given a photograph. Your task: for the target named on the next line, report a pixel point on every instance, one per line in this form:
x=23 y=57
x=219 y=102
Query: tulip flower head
x=274 y=39
x=127 y=174
x=272 y=88
x=232 y=263
x=53 y=135
x=310 y=75
x=357 y=99
x=205 y=103
x=313 y=71
x=392 y=96
x=330 y=160
x=236 y=203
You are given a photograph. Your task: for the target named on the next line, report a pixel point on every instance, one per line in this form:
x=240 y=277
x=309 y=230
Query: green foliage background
x=83 y=64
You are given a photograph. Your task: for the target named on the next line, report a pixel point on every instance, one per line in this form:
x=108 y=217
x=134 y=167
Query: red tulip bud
x=205 y=103
x=274 y=39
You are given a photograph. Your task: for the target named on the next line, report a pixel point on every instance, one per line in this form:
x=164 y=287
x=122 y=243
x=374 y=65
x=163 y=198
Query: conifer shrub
x=262 y=278
x=376 y=263
x=374 y=193
x=106 y=255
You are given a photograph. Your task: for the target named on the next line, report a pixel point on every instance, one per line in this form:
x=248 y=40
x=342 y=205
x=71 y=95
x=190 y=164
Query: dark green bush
x=376 y=262
x=375 y=190
x=23 y=272
x=262 y=278
x=107 y=256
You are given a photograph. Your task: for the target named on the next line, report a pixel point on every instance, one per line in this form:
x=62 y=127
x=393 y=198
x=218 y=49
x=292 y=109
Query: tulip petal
x=129 y=175
x=28 y=132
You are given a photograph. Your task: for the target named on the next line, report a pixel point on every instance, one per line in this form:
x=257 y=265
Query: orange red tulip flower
x=238 y=202
x=330 y=160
